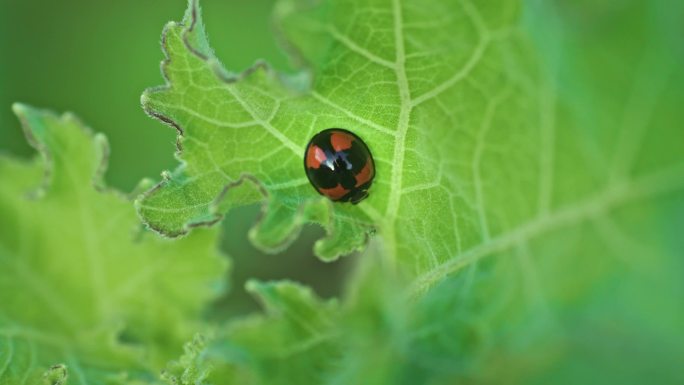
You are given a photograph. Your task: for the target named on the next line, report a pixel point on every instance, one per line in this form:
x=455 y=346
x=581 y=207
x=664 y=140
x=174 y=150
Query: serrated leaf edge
x=298 y=220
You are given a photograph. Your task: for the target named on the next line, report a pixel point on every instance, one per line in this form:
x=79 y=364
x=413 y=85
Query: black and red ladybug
x=339 y=165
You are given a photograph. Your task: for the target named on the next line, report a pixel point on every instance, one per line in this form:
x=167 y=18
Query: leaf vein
x=350 y=114
x=610 y=198
x=360 y=50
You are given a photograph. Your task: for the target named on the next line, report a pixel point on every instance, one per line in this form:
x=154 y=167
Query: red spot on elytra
x=341 y=141
x=364 y=175
x=334 y=193
x=314 y=157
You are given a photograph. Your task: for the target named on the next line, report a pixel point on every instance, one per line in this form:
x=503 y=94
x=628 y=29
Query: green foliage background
x=73 y=55
x=576 y=281
x=83 y=60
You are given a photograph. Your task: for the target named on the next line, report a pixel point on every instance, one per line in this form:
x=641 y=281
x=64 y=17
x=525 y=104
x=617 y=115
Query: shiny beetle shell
x=339 y=165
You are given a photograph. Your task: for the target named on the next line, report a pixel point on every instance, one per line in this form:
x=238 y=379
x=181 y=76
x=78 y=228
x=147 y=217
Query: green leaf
x=292 y=343
x=472 y=153
x=530 y=186
x=82 y=286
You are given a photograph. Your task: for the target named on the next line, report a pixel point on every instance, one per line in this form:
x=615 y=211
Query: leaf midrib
x=400 y=139
x=407 y=104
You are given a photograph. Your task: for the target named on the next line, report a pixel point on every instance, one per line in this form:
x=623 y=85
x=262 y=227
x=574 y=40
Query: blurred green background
x=95 y=58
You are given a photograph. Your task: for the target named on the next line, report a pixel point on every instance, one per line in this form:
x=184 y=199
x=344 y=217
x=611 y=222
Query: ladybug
x=339 y=165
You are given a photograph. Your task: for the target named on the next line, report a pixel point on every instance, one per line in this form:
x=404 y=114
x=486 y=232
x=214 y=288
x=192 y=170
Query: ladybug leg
x=358 y=196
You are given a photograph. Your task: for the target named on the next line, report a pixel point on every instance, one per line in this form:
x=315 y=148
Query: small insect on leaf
x=339 y=165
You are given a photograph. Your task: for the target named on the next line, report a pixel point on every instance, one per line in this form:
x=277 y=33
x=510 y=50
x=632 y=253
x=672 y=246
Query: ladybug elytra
x=339 y=165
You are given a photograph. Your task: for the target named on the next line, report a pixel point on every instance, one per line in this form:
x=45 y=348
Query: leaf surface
x=529 y=191
x=82 y=286
x=295 y=342
x=389 y=83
